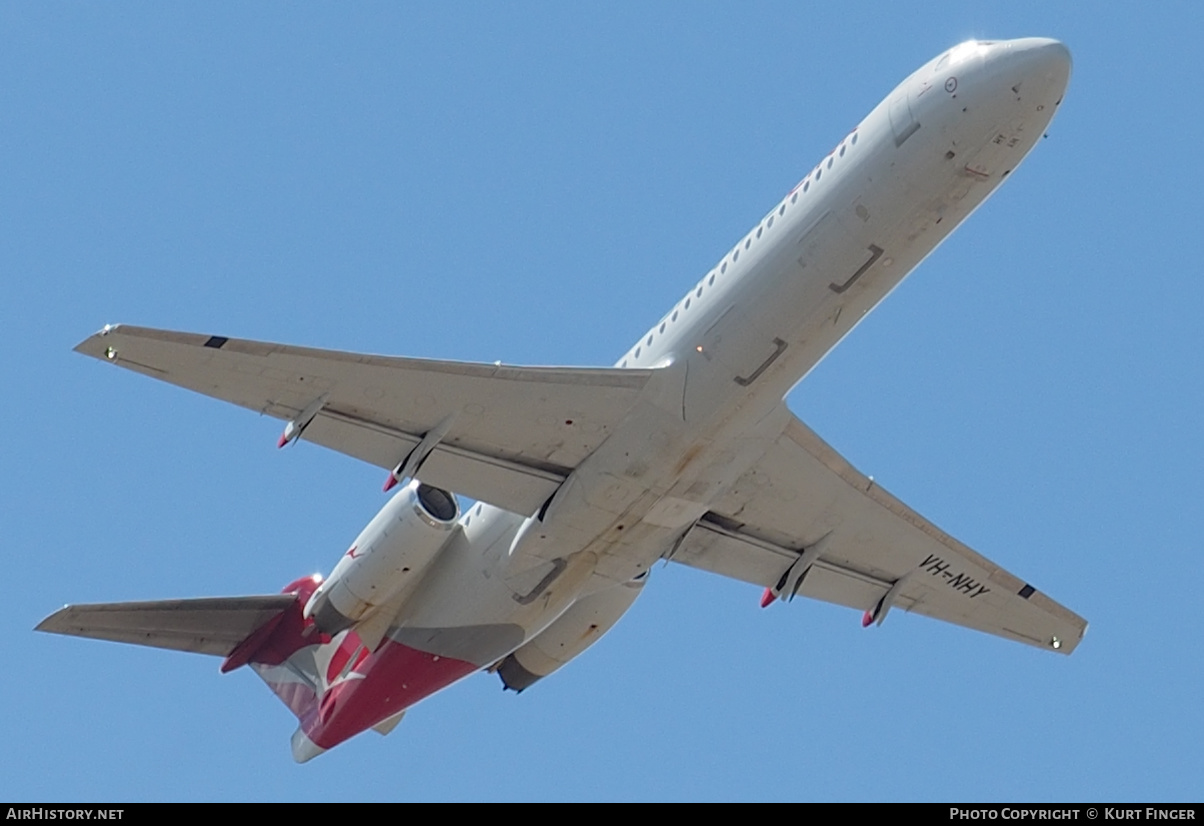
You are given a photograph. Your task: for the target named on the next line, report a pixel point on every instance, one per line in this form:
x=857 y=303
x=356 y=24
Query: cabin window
x=782 y=208
x=663 y=323
x=723 y=268
x=687 y=303
x=649 y=342
x=842 y=150
x=770 y=224
x=747 y=243
x=794 y=197
x=674 y=315
x=699 y=293
x=829 y=163
x=735 y=256
x=818 y=172
x=854 y=140
x=759 y=231
x=711 y=280
x=637 y=352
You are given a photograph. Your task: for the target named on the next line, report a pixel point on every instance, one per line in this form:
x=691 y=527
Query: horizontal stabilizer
x=214 y=625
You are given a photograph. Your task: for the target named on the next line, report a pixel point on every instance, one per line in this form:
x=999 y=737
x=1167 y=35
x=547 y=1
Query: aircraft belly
x=394 y=678
x=476 y=644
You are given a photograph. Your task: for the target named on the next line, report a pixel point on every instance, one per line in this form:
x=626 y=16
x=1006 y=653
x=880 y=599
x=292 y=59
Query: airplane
x=583 y=478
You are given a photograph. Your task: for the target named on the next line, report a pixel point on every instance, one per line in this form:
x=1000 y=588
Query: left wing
x=803 y=520
x=505 y=435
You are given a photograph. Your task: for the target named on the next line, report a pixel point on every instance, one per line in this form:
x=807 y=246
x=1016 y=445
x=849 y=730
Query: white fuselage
x=741 y=338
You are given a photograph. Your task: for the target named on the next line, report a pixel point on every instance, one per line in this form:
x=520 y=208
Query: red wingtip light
x=389 y=483
x=866 y=619
x=283 y=441
x=767 y=597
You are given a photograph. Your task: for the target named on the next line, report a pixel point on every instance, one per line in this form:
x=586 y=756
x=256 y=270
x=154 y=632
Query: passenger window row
x=802 y=188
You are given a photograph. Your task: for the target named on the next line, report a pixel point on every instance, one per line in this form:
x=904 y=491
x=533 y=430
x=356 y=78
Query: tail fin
x=284 y=655
x=301 y=665
x=298 y=662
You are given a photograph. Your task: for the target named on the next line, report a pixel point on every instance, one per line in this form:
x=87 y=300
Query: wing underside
x=507 y=435
x=803 y=495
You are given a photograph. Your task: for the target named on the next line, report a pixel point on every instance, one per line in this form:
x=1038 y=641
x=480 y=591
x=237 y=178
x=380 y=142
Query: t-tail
x=307 y=669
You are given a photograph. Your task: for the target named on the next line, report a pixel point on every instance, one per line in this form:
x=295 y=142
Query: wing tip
x=1069 y=644
x=94 y=345
x=55 y=623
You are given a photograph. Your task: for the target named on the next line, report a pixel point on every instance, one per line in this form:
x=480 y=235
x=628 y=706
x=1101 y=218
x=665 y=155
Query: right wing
x=507 y=435
x=804 y=520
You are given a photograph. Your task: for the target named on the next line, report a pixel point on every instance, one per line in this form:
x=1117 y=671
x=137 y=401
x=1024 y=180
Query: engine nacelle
x=582 y=625
x=389 y=554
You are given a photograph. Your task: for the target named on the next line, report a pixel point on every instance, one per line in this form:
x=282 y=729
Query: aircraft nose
x=1042 y=53
x=1040 y=58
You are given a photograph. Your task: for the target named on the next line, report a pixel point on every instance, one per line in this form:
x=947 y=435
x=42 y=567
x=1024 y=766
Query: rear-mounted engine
x=390 y=554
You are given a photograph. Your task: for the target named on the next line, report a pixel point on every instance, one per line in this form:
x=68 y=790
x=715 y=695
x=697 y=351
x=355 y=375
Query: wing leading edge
x=873 y=550
x=504 y=435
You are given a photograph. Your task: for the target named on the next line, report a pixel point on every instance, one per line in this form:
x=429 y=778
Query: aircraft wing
x=504 y=435
x=872 y=550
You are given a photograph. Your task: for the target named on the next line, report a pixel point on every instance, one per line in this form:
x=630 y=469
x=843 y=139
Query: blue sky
x=537 y=183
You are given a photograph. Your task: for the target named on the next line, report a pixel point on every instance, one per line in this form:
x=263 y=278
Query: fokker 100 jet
x=585 y=477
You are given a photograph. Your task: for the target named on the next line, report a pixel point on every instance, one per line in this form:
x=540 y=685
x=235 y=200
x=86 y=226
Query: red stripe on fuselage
x=393 y=678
